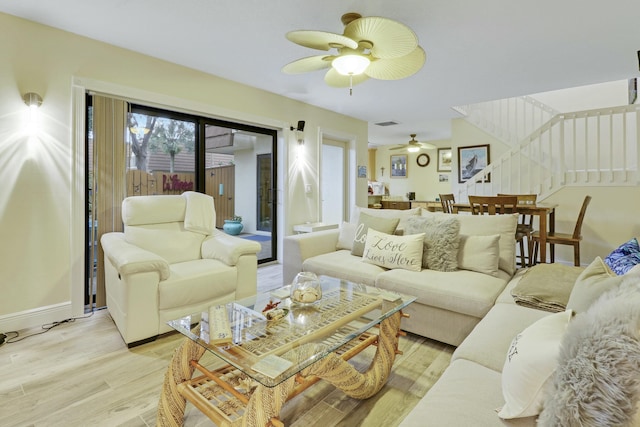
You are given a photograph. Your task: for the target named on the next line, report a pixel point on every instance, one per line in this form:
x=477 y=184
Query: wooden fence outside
x=219 y=184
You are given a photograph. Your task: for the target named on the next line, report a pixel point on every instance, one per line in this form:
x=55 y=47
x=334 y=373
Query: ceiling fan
x=371 y=47
x=414 y=146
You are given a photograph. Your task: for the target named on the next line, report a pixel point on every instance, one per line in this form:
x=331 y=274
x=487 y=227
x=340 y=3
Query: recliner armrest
x=130 y=259
x=228 y=249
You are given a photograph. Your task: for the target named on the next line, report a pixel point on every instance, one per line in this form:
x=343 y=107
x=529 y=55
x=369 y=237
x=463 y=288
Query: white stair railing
x=593 y=147
x=510 y=120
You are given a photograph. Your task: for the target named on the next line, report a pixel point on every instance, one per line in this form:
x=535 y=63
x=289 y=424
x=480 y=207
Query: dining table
x=545 y=212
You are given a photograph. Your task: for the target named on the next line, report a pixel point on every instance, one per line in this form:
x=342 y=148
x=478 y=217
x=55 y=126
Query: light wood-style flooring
x=82 y=374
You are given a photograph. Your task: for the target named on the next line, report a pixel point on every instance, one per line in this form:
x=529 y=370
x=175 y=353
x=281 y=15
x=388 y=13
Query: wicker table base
x=263 y=407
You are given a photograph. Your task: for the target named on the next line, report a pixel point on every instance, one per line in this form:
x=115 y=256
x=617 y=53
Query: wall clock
x=423 y=160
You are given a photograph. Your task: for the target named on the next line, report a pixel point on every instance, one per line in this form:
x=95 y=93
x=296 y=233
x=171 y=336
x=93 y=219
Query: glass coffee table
x=269 y=361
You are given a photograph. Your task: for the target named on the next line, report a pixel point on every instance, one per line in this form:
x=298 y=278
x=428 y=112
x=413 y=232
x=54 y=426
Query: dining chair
x=447 y=201
x=525 y=227
x=563 y=238
x=492 y=205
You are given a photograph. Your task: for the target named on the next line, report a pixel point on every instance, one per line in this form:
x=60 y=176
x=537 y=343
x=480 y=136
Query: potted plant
x=233 y=225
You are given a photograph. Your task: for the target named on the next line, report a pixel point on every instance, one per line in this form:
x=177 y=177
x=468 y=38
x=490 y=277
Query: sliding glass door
x=166 y=152
x=239 y=173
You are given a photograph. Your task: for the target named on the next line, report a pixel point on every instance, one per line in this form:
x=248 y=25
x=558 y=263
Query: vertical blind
x=109 y=186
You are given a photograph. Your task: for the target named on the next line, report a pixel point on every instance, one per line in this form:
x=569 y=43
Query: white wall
x=40 y=257
x=603 y=95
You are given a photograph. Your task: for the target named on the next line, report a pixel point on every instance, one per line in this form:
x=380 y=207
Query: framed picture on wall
x=362 y=171
x=399 y=166
x=471 y=160
x=444 y=159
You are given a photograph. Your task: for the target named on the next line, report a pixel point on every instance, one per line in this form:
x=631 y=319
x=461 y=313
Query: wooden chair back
x=577 y=230
x=447 y=201
x=492 y=205
x=524 y=199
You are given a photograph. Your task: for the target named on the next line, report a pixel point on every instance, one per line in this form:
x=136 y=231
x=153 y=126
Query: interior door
x=333 y=181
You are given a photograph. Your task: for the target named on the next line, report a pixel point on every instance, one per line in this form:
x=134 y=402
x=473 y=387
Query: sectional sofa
x=550 y=345
x=450 y=303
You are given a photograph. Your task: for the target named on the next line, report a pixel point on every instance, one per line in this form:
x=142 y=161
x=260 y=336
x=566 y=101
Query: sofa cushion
x=401 y=214
x=466 y=394
x=441 y=240
x=479 y=253
x=488 y=225
x=385 y=225
x=489 y=341
x=624 y=257
x=461 y=291
x=168 y=240
x=530 y=362
x=343 y=265
x=205 y=279
x=347 y=235
x=389 y=251
x=596 y=279
x=140 y=210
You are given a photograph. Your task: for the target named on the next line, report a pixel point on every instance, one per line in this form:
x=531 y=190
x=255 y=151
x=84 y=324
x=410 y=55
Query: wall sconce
x=299 y=132
x=32 y=99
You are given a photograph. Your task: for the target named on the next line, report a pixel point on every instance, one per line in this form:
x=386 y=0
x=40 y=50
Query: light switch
x=307 y=188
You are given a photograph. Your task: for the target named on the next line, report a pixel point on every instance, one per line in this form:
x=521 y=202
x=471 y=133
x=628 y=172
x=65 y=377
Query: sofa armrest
x=130 y=259
x=299 y=247
x=228 y=249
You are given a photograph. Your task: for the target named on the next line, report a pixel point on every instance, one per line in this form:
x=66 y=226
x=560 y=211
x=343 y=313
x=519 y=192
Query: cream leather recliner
x=171 y=261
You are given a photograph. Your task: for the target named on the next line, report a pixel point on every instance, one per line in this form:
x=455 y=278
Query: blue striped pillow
x=624 y=258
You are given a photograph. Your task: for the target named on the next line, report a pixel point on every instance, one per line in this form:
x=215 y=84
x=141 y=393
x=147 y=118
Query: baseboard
x=35 y=317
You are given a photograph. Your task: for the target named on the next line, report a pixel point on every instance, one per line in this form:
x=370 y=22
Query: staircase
x=550 y=150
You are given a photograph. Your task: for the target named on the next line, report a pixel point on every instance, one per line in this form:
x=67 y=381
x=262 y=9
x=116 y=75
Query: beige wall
x=39 y=185
x=423 y=181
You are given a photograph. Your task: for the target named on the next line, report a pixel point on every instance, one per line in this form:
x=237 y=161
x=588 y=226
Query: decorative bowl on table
x=306 y=288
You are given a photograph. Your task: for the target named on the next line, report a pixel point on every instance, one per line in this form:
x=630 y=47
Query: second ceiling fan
x=414 y=145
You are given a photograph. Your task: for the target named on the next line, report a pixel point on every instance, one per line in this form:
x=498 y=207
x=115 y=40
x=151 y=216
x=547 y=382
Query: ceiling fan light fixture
x=413 y=149
x=351 y=65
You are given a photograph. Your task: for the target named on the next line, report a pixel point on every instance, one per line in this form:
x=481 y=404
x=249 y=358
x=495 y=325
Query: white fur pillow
x=389 y=251
x=479 y=253
x=441 y=240
x=597 y=382
x=530 y=363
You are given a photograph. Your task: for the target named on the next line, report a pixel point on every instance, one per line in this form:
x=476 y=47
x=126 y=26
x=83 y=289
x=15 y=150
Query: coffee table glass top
x=270 y=351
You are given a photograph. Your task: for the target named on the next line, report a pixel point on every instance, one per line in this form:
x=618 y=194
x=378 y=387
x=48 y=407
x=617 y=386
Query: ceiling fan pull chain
x=350 y=84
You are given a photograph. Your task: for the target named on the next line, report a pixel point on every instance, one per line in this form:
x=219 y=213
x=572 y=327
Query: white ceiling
x=476 y=50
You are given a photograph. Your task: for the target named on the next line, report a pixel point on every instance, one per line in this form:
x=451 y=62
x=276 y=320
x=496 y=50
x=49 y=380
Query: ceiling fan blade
x=390 y=38
x=402 y=147
x=335 y=79
x=427 y=146
x=311 y=63
x=397 y=68
x=320 y=40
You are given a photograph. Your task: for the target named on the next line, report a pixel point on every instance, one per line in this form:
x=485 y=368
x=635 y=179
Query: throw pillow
x=624 y=257
x=479 y=253
x=386 y=250
x=597 y=381
x=530 y=363
x=385 y=225
x=346 y=236
x=402 y=214
x=441 y=240
x=595 y=280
